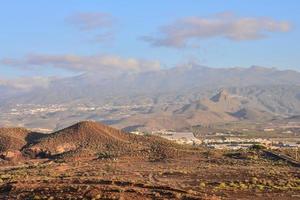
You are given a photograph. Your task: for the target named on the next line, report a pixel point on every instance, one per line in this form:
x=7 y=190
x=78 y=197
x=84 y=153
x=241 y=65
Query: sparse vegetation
x=158 y=152
x=106 y=155
x=258 y=147
x=143 y=166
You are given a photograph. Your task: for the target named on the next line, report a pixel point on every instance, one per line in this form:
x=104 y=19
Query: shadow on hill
x=34 y=137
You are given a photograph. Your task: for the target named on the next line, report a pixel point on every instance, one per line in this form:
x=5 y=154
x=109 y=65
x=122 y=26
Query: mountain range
x=179 y=97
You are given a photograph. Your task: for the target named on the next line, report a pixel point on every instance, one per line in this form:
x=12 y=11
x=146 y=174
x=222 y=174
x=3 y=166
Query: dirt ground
x=203 y=175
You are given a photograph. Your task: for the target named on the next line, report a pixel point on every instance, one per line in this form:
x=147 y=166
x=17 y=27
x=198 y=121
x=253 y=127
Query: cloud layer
x=102 y=63
x=224 y=25
x=26 y=83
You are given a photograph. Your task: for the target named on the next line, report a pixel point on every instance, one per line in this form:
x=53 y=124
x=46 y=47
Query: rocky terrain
x=89 y=160
x=12 y=141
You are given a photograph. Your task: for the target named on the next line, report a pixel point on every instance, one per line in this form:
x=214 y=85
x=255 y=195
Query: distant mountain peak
x=258 y=68
x=221 y=95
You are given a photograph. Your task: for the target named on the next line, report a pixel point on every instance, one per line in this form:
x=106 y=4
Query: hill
x=13 y=140
x=90 y=138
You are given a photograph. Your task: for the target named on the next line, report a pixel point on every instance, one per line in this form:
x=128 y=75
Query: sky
x=61 y=37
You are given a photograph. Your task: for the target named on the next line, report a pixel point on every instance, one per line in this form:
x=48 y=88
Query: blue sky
x=51 y=30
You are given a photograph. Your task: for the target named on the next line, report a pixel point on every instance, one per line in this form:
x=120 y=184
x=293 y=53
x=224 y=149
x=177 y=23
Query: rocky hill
x=89 y=138
x=13 y=140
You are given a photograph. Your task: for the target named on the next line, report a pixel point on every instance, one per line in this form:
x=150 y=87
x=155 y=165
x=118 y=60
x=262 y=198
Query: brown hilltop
x=91 y=138
x=92 y=131
x=83 y=135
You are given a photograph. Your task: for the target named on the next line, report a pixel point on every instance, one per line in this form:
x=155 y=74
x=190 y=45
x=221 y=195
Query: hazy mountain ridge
x=180 y=94
x=220 y=108
x=90 y=87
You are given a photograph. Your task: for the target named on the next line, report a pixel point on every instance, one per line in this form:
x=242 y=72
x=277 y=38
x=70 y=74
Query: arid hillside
x=13 y=140
x=90 y=160
x=93 y=139
x=221 y=107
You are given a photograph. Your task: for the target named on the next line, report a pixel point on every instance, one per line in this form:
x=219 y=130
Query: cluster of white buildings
x=178 y=137
x=234 y=143
x=35 y=109
x=31 y=109
x=182 y=138
x=220 y=143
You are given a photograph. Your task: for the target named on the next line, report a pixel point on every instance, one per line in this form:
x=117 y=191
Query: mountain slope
x=13 y=140
x=221 y=107
x=89 y=138
x=158 y=98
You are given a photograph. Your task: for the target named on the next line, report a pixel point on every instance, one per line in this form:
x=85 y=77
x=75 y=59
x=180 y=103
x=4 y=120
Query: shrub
x=106 y=155
x=222 y=185
x=158 y=152
x=257 y=147
x=202 y=185
x=254 y=180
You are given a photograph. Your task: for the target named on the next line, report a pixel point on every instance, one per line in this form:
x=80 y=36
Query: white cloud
x=224 y=25
x=26 y=83
x=100 y=63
